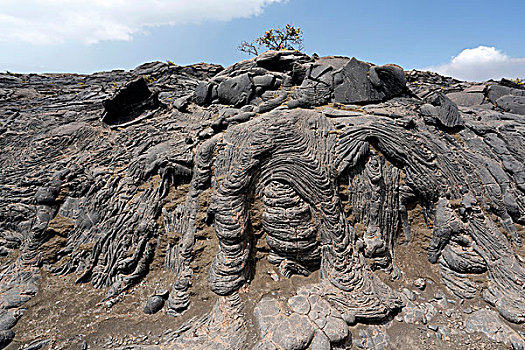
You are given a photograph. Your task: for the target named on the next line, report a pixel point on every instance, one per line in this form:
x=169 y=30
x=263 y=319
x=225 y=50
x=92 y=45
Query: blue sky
x=91 y=35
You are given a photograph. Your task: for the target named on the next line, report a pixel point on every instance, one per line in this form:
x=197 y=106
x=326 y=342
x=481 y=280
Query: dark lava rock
x=205 y=93
x=467 y=99
x=496 y=91
x=264 y=81
x=512 y=104
x=316 y=87
x=129 y=103
x=6 y=337
x=442 y=110
x=236 y=91
x=360 y=82
x=280 y=61
x=154 y=304
x=182 y=103
x=8 y=319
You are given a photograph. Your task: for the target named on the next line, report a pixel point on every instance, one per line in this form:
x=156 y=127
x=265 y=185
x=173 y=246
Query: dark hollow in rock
x=129 y=103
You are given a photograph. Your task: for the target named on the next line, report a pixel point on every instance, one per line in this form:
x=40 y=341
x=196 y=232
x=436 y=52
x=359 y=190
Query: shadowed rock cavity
x=129 y=103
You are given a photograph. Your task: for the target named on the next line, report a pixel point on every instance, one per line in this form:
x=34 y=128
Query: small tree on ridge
x=288 y=38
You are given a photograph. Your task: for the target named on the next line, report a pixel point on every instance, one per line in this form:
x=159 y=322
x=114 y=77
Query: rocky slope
x=285 y=202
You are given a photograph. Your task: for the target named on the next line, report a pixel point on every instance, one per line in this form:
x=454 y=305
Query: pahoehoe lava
x=324 y=168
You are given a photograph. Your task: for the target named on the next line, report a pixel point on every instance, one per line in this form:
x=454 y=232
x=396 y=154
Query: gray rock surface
x=512 y=104
x=492 y=326
x=360 y=82
x=315 y=165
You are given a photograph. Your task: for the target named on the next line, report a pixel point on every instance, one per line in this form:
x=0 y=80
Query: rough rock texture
x=336 y=172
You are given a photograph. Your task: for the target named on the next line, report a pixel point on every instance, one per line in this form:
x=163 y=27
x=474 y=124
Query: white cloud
x=56 y=21
x=482 y=63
